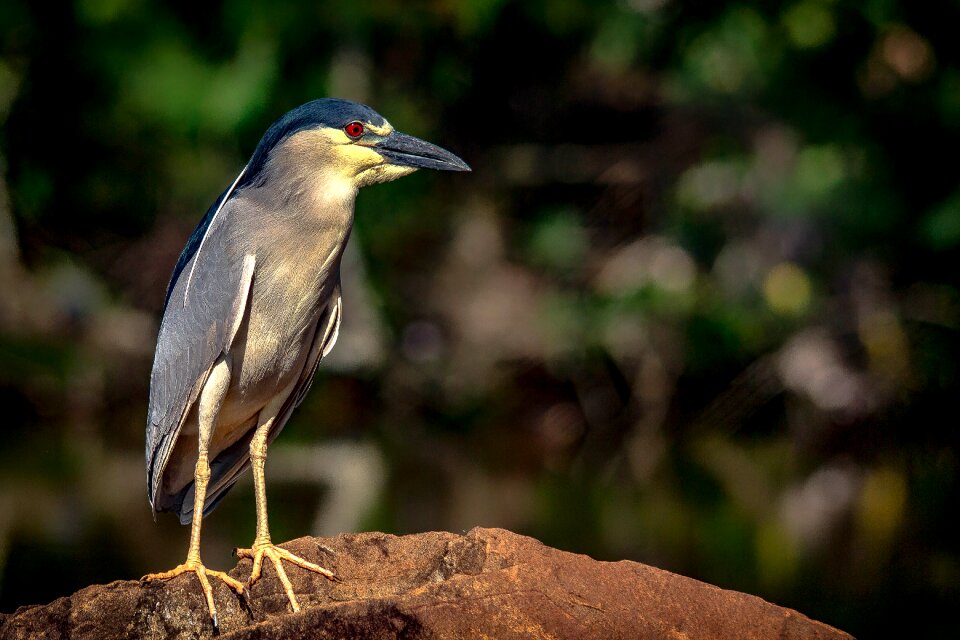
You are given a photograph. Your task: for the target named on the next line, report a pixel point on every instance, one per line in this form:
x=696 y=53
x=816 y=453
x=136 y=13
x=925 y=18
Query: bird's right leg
x=211 y=399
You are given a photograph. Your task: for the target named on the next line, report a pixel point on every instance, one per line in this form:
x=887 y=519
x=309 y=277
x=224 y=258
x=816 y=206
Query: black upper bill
x=407 y=151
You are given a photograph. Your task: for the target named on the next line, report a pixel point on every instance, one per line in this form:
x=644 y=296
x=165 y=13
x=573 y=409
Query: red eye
x=354 y=130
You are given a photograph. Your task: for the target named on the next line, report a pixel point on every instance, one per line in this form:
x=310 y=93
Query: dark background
x=696 y=306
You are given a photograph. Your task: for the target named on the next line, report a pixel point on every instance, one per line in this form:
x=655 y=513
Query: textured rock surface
x=489 y=583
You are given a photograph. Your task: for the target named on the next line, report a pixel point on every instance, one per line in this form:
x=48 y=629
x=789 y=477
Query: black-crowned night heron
x=253 y=306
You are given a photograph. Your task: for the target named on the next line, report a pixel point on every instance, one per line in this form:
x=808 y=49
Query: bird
x=253 y=306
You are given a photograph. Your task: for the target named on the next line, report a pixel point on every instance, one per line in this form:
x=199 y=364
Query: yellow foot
x=202 y=572
x=275 y=553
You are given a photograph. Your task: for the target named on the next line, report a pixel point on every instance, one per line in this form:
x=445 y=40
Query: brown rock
x=489 y=583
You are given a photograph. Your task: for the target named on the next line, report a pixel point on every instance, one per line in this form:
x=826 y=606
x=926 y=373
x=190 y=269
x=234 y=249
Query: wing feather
x=193 y=335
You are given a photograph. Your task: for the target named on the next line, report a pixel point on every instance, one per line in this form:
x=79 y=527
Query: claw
x=276 y=554
x=201 y=572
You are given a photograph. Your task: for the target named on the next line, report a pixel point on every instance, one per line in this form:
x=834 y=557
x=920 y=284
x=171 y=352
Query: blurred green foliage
x=697 y=305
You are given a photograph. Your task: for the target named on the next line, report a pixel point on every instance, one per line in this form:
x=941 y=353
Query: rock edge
x=487 y=583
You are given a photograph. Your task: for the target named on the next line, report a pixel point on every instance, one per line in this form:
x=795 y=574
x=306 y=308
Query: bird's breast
x=295 y=277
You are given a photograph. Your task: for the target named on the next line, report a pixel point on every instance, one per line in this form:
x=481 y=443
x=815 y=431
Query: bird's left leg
x=262 y=545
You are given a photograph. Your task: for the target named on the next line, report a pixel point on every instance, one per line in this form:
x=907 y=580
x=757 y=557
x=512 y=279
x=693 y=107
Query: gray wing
x=204 y=309
x=227 y=468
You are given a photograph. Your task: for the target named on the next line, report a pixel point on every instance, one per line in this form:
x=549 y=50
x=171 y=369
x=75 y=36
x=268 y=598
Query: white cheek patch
x=353 y=159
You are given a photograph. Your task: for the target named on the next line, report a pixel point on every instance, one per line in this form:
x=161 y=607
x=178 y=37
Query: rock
x=489 y=583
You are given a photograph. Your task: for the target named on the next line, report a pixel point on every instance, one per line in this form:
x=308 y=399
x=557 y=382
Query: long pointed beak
x=407 y=151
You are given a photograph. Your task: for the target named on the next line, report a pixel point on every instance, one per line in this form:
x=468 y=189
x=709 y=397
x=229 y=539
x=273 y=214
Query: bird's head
x=346 y=142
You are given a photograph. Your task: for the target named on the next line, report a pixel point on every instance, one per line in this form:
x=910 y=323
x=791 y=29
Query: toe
x=284 y=580
x=306 y=564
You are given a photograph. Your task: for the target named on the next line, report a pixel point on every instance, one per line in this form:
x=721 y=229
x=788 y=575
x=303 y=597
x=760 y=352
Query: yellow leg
x=262 y=545
x=211 y=398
